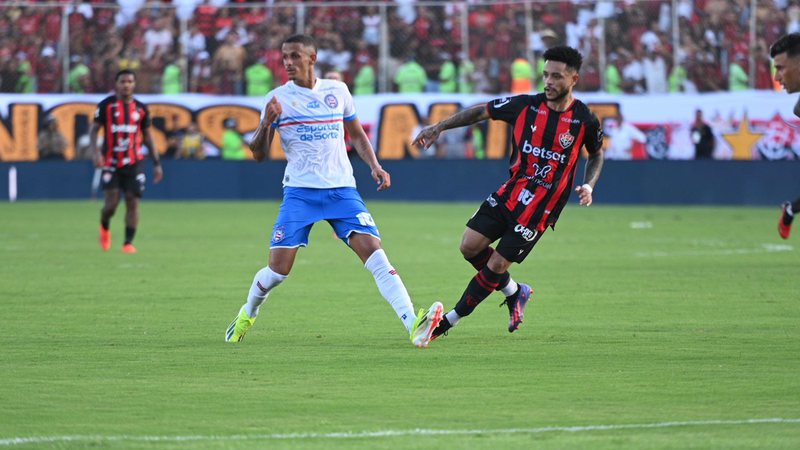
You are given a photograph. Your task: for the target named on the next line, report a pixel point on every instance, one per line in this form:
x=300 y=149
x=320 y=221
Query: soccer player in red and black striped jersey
x=549 y=130
x=785 y=53
x=126 y=125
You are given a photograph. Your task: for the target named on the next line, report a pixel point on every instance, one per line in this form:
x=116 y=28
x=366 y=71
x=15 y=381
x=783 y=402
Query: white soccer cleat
x=425 y=323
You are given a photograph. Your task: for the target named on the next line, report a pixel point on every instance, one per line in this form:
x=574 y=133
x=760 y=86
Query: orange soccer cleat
x=128 y=248
x=105 y=239
x=785 y=222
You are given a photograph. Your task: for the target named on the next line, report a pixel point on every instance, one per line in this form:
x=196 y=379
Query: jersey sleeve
x=594 y=134
x=349 y=107
x=507 y=108
x=147 y=120
x=99 y=115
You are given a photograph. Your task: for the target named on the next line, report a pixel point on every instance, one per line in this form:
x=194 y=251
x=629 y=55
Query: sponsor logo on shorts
x=525 y=232
x=278 y=234
x=491 y=201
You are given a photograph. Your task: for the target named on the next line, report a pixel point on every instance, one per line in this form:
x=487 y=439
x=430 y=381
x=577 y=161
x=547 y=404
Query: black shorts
x=495 y=222
x=129 y=179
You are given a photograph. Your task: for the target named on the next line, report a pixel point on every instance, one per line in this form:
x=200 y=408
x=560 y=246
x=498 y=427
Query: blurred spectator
x=613 y=78
x=26 y=83
x=623 y=135
x=51 y=142
x=364 y=81
x=410 y=77
x=466 y=75
x=371 y=21
x=172 y=77
x=655 y=71
x=702 y=137
x=192 y=144
x=201 y=79
x=233 y=146
x=738 y=79
x=48 y=72
x=79 y=80
x=258 y=79
x=521 y=76
x=448 y=76
x=632 y=73
x=228 y=65
x=192 y=41
x=159 y=39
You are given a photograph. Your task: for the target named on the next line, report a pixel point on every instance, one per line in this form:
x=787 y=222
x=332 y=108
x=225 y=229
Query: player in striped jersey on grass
x=549 y=130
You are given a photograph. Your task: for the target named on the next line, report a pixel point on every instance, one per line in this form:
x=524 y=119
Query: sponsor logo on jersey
x=566 y=120
x=136 y=116
x=525 y=232
x=319 y=132
x=543 y=152
x=501 y=102
x=313 y=105
x=331 y=101
x=566 y=140
x=124 y=128
x=541 y=172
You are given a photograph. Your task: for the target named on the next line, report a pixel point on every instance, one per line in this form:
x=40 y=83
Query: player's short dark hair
x=789 y=44
x=304 y=39
x=565 y=54
x=125 y=72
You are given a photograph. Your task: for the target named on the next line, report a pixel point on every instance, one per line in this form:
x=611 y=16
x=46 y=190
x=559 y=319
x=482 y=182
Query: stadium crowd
x=230 y=47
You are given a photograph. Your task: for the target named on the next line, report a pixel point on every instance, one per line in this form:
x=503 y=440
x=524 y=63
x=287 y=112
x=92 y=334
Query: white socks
x=452 y=317
x=263 y=282
x=391 y=287
x=510 y=288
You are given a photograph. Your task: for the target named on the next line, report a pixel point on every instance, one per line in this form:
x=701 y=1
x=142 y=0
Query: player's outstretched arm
x=262 y=139
x=364 y=149
x=471 y=115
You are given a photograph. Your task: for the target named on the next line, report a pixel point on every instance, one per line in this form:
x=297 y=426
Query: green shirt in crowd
x=448 y=77
x=171 y=79
x=259 y=80
x=410 y=78
x=232 y=145
x=364 y=82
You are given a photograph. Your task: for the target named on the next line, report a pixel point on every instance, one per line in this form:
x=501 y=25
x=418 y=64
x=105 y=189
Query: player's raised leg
x=788 y=210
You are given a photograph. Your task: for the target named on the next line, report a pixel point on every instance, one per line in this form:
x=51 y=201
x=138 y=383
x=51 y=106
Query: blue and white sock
x=391 y=287
x=263 y=282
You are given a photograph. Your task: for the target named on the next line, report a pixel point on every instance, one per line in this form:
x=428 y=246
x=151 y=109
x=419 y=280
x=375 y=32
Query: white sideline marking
x=764 y=248
x=385 y=433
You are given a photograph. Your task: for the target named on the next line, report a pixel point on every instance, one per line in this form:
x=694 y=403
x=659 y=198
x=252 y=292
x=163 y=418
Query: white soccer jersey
x=311 y=127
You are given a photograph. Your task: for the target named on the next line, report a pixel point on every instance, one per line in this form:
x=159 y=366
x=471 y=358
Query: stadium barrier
x=622 y=182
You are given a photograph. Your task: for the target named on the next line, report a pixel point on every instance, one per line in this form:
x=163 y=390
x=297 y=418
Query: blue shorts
x=303 y=207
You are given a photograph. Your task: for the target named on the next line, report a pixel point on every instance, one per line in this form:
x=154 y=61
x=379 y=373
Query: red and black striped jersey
x=123 y=125
x=546 y=145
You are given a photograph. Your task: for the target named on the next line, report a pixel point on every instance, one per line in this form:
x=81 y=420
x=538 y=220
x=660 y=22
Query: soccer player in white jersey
x=312 y=115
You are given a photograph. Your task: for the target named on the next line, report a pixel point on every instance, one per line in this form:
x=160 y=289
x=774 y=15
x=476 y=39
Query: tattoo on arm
x=465 y=117
x=594 y=165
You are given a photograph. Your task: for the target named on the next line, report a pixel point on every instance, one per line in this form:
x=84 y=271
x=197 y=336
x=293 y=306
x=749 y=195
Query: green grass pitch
x=650 y=328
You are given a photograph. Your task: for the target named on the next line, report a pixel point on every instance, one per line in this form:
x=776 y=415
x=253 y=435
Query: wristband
x=586 y=187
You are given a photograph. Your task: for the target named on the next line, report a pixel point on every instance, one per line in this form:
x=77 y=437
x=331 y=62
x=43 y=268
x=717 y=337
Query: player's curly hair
x=789 y=44
x=568 y=55
x=304 y=39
